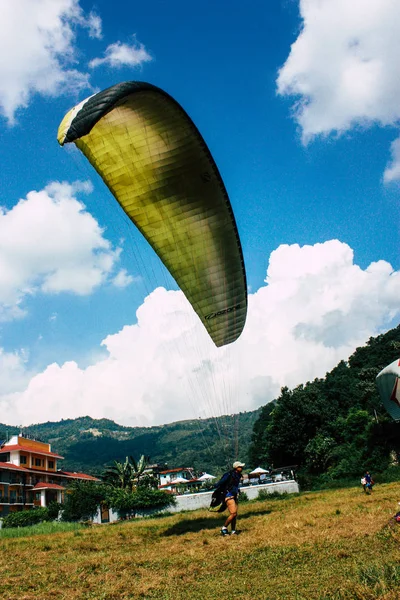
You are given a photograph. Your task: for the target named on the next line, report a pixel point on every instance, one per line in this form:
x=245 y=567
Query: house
x=173 y=474
x=180 y=480
x=29 y=475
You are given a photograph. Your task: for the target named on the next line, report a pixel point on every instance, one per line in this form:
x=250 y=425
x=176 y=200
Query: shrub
x=127 y=503
x=243 y=497
x=388 y=475
x=24 y=518
x=54 y=510
x=83 y=499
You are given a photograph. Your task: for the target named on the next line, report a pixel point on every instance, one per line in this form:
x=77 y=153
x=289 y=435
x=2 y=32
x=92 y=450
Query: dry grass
x=337 y=545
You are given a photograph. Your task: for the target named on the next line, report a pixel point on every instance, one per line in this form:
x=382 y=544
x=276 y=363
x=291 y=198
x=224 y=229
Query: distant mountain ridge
x=89 y=445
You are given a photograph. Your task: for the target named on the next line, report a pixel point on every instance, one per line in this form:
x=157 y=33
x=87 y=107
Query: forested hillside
x=91 y=444
x=333 y=428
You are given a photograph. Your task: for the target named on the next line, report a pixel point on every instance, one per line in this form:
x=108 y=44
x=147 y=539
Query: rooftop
x=14 y=447
x=48 y=486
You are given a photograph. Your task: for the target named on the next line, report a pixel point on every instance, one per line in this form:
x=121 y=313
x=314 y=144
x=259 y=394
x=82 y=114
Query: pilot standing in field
x=229 y=483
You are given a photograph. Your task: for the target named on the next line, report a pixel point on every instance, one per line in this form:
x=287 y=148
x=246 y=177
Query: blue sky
x=298 y=102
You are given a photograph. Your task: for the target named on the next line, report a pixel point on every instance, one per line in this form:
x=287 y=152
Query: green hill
x=336 y=427
x=89 y=445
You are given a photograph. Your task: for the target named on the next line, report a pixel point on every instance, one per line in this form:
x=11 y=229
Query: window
x=51 y=464
x=22 y=460
x=38 y=462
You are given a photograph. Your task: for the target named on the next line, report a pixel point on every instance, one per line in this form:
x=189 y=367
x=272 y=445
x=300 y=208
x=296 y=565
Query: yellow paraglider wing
x=156 y=164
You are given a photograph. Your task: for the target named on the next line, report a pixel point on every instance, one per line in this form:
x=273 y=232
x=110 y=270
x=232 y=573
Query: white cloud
x=50 y=243
x=14 y=375
x=343 y=67
x=392 y=171
x=316 y=308
x=94 y=24
x=122 y=55
x=37 y=50
x=123 y=279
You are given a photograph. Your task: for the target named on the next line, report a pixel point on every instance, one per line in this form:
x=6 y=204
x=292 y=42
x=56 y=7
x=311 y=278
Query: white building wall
x=113 y=516
x=164 y=479
x=13 y=441
x=203 y=499
x=14 y=457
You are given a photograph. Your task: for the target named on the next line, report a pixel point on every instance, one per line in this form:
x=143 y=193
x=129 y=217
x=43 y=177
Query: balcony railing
x=19 y=481
x=17 y=500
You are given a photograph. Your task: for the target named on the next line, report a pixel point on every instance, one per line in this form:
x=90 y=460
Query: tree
x=83 y=499
x=334 y=427
x=128 y=475
x=319 y=453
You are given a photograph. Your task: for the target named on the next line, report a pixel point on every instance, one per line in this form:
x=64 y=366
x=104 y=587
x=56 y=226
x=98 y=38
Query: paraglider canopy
x=388 y=383
x=156 y=164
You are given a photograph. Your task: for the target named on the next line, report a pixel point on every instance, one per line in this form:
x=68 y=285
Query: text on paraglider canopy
x=222 y=312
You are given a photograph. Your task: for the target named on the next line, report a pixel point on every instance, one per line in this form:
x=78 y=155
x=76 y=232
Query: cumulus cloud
x=50 y=243
x=392 y=171
x=123 y=55
x=343 y=67
x=37 y=46
x=14 y=374
x=316 y=306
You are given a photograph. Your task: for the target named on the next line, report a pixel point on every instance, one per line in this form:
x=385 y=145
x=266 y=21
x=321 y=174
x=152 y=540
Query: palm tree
x=126 y=475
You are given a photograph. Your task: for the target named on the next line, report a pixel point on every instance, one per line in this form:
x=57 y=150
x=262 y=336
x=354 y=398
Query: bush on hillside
x=82 y=501
x=127 y=504
x=54 y=510
x=24 y=518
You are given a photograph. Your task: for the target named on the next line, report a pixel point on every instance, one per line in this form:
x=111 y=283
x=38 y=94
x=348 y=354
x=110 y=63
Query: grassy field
x=337 y=544
x=40 y=529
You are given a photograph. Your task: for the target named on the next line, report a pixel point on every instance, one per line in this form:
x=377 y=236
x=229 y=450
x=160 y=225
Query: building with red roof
x=29 y=475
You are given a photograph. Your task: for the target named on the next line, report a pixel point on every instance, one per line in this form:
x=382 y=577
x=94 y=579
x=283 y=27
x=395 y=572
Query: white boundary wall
x=203 y=499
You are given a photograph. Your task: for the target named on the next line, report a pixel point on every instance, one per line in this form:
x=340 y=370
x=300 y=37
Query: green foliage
x=333 y=428
x=243 y=498
x=24 y=518
x=319 y=452
x=128 y=503
x=83 y=499
x=130 y=474
x=392 y=473
x=257 y=449
x=54 y=509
